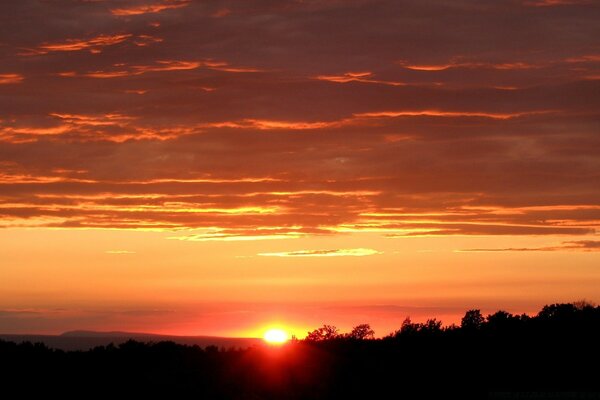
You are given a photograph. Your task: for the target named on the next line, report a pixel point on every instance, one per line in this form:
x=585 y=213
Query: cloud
x=235 y=237
x=93 y=120
x=119 y=252
x=359 y=252
x=113 y=127
x=124 y=70
x=149 y=8
x=551 y=3
x=8 y=79
x=577 y=245
x=364 y=77
x=221 y=125
x=279 y=125
x=451 y=114
x=515 y=65
x=94 y=44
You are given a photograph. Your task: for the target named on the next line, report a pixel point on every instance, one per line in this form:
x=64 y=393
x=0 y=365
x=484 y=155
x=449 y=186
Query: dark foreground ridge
x=554 y=354
x=87 y=340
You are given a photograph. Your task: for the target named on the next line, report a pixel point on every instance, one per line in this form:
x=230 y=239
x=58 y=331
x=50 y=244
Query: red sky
x=218 y=167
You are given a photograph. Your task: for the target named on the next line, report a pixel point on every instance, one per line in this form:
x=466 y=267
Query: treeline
x=555 y=317
x=556 y=352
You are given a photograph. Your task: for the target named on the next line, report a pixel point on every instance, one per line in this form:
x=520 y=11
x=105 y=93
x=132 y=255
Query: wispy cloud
x=224 y=237
x=149 y=8
x=451 y=114
x=577 y=245
x=550 y=3
x=513 y=65
x=93 y=44
x=238 y=235
x=276 y=125
x=124 y=70
x=358 y=252
x=8 y=79
x=119 y=252
x=364 y=77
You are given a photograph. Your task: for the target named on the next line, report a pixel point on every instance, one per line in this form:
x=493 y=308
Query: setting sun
x=275 y=336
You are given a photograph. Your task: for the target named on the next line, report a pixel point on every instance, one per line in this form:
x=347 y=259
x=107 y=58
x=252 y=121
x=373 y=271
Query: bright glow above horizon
x=275 y=336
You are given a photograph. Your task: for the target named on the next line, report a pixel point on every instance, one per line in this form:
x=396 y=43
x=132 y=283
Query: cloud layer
x=286 y=119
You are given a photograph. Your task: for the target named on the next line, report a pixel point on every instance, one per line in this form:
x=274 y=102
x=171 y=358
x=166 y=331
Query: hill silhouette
x=553 y=354
x=84 y=333
x=87 y=340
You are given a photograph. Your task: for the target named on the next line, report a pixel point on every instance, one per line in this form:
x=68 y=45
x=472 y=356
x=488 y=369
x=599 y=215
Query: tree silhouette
x=431 y=326
x=326 y=332
x=584 y=305
x=361 y=332
x=472 y=320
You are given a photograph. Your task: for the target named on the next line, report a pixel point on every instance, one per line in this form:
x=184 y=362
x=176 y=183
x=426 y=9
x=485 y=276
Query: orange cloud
x=208 y=180
x=150 y=8
x=101 y=74
x=161 y=66
x=167 y=65
x=166 y=207
x=364 y=77
x=146 y=40
x=550 y=3
x=28 y=178
x=231 y=237
x=353 y=150
x=112 y=127
x=577 y=245
x=7 y=133
x=93 y=120
x=220 y=13
x=8 y=79
x=358 y=252
x=517 y=65
x=440 y=113
x=439 y=67
x=94 y=44
x=119 y=252
x=584 y=58
x=273 y=125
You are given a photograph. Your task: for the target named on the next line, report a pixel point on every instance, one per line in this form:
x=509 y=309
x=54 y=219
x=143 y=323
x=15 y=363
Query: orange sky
x=220 y=167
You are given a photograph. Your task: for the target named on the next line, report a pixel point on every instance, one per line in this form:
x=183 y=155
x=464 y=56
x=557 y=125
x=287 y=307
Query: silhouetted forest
x=554 y=354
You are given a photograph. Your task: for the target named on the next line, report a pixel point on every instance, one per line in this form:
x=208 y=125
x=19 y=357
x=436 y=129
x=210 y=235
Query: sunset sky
x=214 y=167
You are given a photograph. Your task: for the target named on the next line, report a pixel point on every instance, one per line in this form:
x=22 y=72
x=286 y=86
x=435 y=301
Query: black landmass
x=554 y=354
x=87 y=340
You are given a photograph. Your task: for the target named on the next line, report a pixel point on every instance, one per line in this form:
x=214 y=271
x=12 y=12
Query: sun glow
x=275 y=336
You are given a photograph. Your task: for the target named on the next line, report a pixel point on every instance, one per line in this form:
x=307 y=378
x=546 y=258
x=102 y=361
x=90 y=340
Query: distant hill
x=108 y=334
x=85 y=340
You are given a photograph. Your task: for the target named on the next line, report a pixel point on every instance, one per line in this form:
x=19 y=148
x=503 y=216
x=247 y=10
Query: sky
x=219 y=167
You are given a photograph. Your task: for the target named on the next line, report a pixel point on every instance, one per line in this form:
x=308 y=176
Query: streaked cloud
x=577 y=245
x=358 y=252
x=364 y=77
x=440 y=113
x=123 y=70
x=8 y=79
x=94 y=44
x=150 y=8
x=119 y=252
x=238 y=123
x=229 y=237
x=550 y=3
x=279 y=125
x=517 y=65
